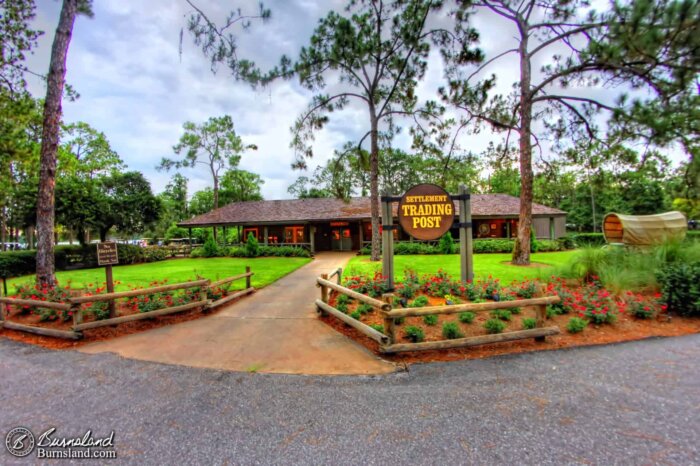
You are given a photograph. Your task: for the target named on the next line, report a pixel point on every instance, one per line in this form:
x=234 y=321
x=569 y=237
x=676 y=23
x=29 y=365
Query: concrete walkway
x=273 y=330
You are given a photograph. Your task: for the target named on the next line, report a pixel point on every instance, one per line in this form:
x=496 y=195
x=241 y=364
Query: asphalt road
x=633 y=403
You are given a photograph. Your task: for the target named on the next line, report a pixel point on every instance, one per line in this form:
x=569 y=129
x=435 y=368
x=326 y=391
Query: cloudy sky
x=137 y=88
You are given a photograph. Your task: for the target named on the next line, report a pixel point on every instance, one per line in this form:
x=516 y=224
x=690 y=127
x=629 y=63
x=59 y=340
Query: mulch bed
x=97 y=334
x=626 y=328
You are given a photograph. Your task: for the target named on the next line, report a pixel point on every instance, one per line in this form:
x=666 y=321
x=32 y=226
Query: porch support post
x=265 y=235
x=362 y=233
x=312 y=241
x=225 y=232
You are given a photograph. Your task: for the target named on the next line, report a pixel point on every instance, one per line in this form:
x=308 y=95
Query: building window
x=294 y=235
x=247 y=231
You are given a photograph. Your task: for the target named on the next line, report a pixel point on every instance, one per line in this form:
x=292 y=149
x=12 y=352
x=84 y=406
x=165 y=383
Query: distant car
x=14 y=246
x=693 y=224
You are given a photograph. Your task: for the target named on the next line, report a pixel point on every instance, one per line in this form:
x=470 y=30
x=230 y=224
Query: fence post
x=77 y=311
x=247 y=279
x=2 y=312
x=339 y=274
x=324 y=294
x=389 y=327
x=540 y=312
x=204 y=295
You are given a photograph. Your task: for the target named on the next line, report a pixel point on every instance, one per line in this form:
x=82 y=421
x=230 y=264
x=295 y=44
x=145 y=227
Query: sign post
x=108 y=256
x=466 y=263
x=426 y=212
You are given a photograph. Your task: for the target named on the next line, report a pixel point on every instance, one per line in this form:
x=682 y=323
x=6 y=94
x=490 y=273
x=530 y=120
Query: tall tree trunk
x=45 y=266
x=216 y=202
x=521 y=251
x=3 y=232
x=374 y=186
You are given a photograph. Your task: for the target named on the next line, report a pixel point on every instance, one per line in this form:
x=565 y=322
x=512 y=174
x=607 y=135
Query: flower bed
x=587 y=314
x=38 y=316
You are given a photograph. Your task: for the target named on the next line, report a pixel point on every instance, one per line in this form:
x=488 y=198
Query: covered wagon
x=644 y=230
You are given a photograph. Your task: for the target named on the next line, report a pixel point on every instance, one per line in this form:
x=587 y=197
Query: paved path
x=273 y=330
x=632 y=403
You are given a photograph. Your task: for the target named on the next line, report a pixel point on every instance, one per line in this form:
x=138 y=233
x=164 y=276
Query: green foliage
x=450 y=330
x=356 y=315
x=252 y=247
x=269 y=251
x=447 y=244
x=529 y=323
x=467 y=317
x=494 y=326
x=17 y=263
x=680 y=285
x=378 y=327
x=503 y=314
x=399 y=321
x=211 y=249
x=431 y=319
x=576 y=325
x=365 y=308
x=342 y=307
x=342 y=299
x=415 y=334
x=420 y=301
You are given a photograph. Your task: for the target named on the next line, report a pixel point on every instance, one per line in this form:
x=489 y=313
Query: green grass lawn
x=484 y=265
x=266 y=270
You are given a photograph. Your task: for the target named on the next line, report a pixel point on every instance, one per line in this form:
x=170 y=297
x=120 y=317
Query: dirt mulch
x=626 y=328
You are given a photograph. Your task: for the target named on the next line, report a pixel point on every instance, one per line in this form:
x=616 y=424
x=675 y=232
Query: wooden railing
x=74 y=305
x=387 y=340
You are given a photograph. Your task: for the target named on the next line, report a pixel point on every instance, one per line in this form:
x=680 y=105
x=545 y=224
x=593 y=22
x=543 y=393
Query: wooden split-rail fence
x=74 y=305
x=388 y=341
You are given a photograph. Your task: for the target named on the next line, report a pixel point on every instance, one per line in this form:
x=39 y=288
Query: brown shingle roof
x=325 y=209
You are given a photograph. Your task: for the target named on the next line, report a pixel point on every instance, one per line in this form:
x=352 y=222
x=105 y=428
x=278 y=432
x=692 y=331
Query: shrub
x=588 y=239
x=494 y=326
x=415 y=334
x=100 y=309
x=365 y=308
x=503 y=314
x=430 y=319
x=446 y=244
x=197 y=253
x=44 y=293
x=155 y=254
x=420 y=301
x=342 y=299
x=515 y=310
x=549 y=245
x=527 y=289
x=356 y=315
x=252 y=247
x=399 y=320
x=467 y=317
x=342 y=307
x=529 y=323
x=17 y=263
x=373 y=286
x=378 y=327
x=450 y=330
x=405 y=291
x=576 y=325
x=680 y=285
x=493 y=245
x=449 y=300
x=211 y=249
x=440 y=284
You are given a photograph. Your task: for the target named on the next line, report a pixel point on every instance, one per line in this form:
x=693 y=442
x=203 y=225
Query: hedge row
x=479 y=246
x=260 y=251
x=18 y=263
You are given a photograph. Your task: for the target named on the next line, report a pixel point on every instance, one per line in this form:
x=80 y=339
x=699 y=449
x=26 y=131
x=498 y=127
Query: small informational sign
x=107 y=254
x=426 y=212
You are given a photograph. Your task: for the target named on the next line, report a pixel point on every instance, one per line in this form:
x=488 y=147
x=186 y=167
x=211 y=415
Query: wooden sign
x=107 y=254
x=426 y=212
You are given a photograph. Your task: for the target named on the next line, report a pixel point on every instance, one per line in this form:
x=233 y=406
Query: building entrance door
x=341 y=240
